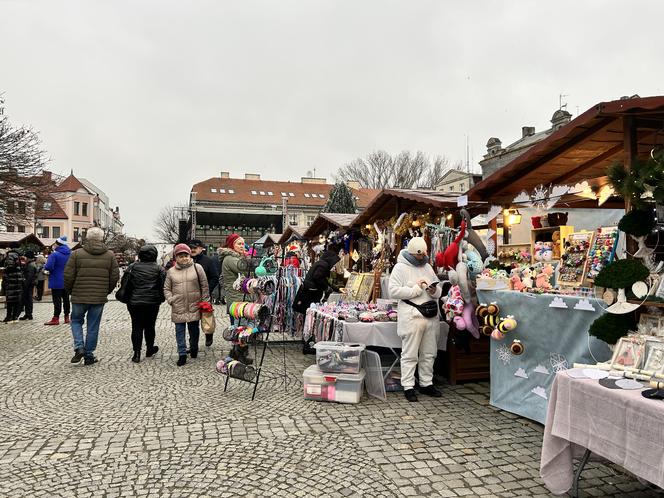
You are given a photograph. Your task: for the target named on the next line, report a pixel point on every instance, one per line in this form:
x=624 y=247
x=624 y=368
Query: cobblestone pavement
x=152 y=429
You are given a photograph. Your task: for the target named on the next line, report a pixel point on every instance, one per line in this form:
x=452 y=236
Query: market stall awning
x=581 y=150
x=393 y=202
x=268 y=240
x=17 y=239
x=329 y=221
x=292 y=233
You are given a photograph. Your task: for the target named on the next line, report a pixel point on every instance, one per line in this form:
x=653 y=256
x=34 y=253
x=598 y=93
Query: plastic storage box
x=339 y=387
x=339 y=357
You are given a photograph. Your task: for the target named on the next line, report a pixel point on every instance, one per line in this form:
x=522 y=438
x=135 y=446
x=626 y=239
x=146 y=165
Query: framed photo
x=366 y=286
x=654 y=358
x=629 y=352
x=651 y=324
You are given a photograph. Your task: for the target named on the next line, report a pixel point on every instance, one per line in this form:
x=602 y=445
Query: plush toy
x=527 y=278
x=472 y=237
x=504 y=326
x=538 y=251
x=515 y=283
x=543 y=279
x=474 y=262
x=556 y=244
x=451 y=254
x=465 y=320
x=547 y=251
x=488 y=316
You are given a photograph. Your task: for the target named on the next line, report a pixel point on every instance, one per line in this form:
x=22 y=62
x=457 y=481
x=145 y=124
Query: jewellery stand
x=283 y=375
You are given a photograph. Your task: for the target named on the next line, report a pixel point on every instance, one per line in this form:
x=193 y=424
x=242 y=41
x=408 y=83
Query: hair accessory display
x=236 y=369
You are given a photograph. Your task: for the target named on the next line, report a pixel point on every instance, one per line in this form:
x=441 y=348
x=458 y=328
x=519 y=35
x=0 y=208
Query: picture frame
x=365 y=288
x=651 y=324
x=654 y=356
x=628 y=353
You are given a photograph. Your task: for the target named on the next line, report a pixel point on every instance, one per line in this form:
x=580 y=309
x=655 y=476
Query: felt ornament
x=451 y=254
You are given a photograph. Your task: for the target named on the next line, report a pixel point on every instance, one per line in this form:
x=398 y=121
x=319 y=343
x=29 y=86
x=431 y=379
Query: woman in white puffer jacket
x=411 y=280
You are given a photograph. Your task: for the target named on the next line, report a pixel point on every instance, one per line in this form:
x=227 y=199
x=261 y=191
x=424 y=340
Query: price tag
x=462 y=201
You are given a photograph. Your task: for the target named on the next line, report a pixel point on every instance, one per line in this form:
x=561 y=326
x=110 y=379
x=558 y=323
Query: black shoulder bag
x=428 y=309
x=123 y=294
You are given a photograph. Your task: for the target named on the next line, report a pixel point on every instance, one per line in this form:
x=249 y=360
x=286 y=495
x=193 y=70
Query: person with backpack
x=145 y=288
x=29 y=283
x=12 y=286
x=185 y=286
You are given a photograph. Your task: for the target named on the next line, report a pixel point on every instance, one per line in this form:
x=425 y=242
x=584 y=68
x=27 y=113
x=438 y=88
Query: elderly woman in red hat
x=186 y=285
x=230 y=256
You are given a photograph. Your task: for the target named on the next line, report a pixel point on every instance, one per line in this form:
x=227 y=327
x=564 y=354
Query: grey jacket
x=184 y=288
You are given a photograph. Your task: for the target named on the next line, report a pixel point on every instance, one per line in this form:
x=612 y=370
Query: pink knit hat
x=180 y=248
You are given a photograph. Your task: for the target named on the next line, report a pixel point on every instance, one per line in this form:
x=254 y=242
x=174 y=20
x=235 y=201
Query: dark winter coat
x=91 y=273
x=210 y=268
x=316 y=282
x=147 y=278
x=12 y=281
x=30 y=274
x=55 y=265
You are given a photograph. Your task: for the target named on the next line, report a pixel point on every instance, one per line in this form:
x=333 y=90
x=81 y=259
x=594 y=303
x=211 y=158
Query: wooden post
x=493 y=225
x=630 y=147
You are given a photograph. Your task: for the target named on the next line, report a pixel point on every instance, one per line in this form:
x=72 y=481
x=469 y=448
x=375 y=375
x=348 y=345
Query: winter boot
x=137 y=357
x=78 y=356
x=54 y=321
x=151 y=351
x=431 y=391
x=410 y=395
x=182 y=360
x=26 y=317
x=67 y=319
x=208 y=340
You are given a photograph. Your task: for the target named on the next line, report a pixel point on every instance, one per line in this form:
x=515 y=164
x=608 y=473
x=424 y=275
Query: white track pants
x=419 y=342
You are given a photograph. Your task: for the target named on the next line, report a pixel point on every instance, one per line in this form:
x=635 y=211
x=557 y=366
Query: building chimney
x=493 y=146
x=354 y=184
x=527 y=131
x=252 y=176
x=309 y=179
x=225 y=175
x=559 y=119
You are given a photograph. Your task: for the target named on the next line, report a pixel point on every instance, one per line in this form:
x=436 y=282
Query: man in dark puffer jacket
x=12 y=286
x=90 y=276
x=146 y=284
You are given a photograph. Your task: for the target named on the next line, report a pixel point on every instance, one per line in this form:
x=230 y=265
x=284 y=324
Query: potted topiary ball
x=621 y=274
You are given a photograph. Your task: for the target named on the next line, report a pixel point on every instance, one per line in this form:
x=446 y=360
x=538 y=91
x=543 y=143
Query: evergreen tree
x=341 y=200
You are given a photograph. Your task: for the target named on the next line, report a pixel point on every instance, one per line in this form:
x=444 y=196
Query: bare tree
x=167 y=224
x=405 y=170
x=21 y=165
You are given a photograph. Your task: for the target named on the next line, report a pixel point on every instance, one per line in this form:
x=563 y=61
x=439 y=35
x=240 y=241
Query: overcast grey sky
x=146 y=98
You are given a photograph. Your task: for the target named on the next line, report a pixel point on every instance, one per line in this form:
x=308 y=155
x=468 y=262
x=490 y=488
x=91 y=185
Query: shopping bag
x=208 y=322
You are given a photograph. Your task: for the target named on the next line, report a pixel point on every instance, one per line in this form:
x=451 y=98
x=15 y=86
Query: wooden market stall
x=326 y=222
x=567 y=169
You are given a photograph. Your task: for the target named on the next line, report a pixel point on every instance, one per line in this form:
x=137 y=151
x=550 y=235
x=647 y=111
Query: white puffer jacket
x=403 y=285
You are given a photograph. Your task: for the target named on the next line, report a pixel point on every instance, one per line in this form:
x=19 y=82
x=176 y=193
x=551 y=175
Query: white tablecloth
x=621 y=426
x=384 y=334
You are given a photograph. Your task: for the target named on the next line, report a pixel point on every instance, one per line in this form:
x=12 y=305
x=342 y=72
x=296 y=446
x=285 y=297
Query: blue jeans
x=78 y=312
x=194 y=333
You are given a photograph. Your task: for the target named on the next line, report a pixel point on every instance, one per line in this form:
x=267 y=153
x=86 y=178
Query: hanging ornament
x=640 y=289
x=609 y=297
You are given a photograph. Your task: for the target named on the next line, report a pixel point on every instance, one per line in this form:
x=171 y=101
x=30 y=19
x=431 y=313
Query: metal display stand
x=266 y=330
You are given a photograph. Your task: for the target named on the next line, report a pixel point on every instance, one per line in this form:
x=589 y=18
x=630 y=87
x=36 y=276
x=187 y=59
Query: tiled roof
x=55 y=212
x=71 y=184
x=271 y=192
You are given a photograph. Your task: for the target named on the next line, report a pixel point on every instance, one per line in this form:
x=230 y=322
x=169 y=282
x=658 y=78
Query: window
x=284 y=194
x=321 y=196
x=85 y=209
x=310 y=220
x=291 y=194
x=21 y=229
x=213 y=190
x=222 y=190
x=47 y=206
x=270 y=193
x=231 y=191
x=77 y=208
x=11 y=206
x=292 y=219
x=10 y=228
x=21 y=207
x=56 y=233
x=306 y=195
x=451 y=188
x=45 y=232
x=77 y=234
x=253 y=192
x=262 y=192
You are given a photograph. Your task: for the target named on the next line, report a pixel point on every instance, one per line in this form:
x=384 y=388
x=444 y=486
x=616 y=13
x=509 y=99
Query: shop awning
x=292 y=233
x=581 y=150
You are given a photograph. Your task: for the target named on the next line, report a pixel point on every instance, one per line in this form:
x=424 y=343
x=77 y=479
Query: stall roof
x=325 y=220
x=392 y=202
x=579 y=151
x=268 y=240
x=292 y=232
x=16 y=239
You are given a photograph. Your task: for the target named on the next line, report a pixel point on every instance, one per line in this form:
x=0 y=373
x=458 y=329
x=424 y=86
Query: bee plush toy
x=488 y=317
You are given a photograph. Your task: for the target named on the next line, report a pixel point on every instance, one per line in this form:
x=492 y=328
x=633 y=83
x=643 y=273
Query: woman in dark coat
x=146 y=284
x=12 y=286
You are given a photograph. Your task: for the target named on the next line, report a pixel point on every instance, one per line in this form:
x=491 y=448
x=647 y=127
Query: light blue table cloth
x=553 y=339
